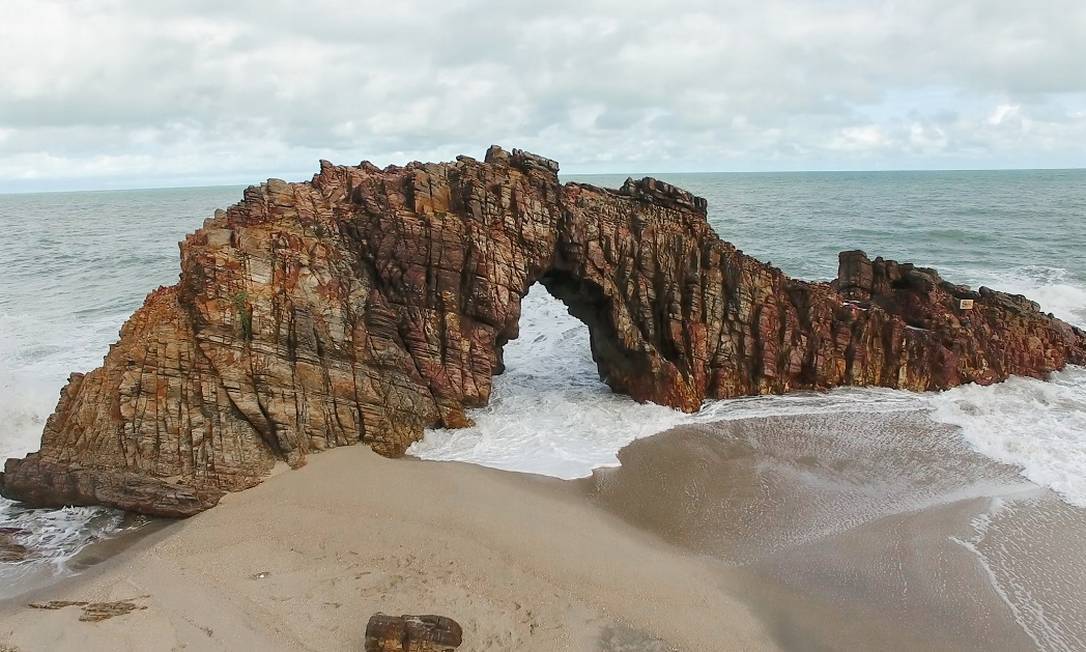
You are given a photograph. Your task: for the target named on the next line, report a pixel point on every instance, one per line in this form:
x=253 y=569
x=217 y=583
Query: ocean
x=75 y=265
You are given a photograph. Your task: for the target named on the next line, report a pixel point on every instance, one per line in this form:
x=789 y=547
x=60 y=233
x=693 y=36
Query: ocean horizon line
x=565 y=176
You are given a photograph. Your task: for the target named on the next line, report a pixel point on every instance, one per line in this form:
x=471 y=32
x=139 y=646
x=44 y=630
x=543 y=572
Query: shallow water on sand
x=861 y=531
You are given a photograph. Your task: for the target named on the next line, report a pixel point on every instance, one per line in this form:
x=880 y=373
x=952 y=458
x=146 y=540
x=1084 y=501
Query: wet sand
x=874 y=532
x=829 y=532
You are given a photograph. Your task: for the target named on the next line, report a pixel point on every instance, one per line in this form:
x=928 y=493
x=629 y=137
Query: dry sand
x=522 y=562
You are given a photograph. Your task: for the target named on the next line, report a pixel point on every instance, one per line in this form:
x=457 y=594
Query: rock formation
x=412 y=634
x=369 y=304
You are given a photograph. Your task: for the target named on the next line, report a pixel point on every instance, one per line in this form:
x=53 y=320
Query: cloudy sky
x=115 y=93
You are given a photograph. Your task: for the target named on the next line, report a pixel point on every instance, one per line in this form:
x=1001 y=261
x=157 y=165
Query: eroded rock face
x=369 y=304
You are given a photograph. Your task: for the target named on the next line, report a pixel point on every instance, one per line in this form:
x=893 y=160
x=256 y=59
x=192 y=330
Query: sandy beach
x=302 y=561
x=814 y=532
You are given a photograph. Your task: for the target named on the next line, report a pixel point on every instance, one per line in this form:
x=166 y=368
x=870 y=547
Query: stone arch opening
x=549 y=410
x=587 y=301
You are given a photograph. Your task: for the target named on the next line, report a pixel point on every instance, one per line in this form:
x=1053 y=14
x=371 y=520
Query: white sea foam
x=1051 y=287
x=1038 y=426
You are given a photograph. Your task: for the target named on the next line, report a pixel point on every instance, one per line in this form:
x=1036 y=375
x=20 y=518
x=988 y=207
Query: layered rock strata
x=368 y=304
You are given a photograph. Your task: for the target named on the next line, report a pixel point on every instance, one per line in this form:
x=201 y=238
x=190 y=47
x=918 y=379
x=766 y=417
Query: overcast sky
x=111 y=93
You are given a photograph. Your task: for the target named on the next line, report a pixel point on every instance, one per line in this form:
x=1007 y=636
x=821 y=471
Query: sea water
x=75 y=265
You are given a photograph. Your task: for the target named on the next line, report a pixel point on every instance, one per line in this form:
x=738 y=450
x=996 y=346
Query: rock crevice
x=368 y=304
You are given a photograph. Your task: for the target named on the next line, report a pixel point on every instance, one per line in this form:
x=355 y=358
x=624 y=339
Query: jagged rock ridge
x=369 y=304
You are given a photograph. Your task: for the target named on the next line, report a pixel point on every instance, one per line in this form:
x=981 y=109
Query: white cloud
x=1004 y=112
x=126 y=92
x=859 y=139
x=927 y=139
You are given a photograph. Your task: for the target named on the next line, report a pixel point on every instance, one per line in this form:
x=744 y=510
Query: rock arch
x=368 y=304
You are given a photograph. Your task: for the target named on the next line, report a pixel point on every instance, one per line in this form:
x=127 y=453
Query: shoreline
x=842 y=531
x=41 y=575
x=864 y=531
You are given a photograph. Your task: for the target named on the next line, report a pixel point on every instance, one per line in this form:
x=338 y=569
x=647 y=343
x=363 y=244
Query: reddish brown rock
x=412 y=634
x=368 y=304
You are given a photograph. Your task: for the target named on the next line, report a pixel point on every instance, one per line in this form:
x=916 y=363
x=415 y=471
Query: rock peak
x=656 y=191
x=495 y=155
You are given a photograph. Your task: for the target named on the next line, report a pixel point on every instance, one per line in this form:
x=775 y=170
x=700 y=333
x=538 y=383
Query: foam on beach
x=1037 y=426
